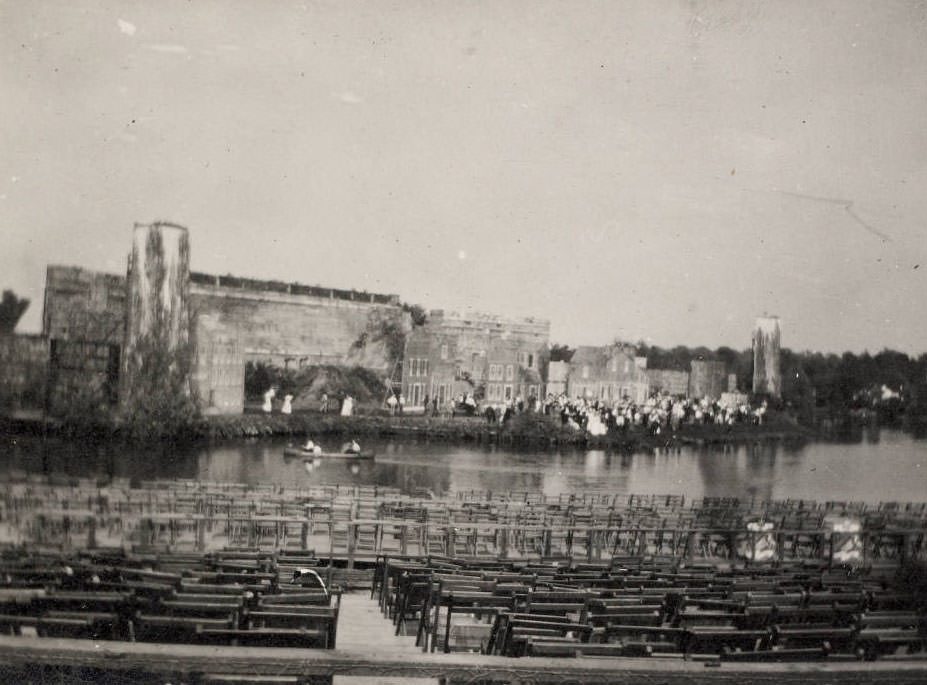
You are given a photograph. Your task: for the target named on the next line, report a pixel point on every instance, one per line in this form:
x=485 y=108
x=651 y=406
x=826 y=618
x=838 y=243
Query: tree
x=561 y=353
x=11 y=309
x=417 y=312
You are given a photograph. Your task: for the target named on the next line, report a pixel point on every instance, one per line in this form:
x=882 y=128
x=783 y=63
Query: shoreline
x=526 y=430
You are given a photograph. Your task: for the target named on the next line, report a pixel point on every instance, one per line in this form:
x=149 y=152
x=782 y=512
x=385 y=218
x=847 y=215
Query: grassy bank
x=529 y=430
x=526 y=429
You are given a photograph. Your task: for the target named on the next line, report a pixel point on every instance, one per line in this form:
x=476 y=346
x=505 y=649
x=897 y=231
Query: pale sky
x=651 y=170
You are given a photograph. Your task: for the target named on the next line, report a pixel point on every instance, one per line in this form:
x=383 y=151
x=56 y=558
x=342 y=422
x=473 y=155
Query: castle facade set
x=94 y=324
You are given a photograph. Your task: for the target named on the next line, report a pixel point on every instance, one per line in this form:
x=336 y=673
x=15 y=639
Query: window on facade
x=423 y=367
x=509 y=372
x=627 y=366
x=530 y=361
x=585 y=372
x=495 y=372
x=444 y=351
x=414 y=371
x=614 y=365
x=508 y=393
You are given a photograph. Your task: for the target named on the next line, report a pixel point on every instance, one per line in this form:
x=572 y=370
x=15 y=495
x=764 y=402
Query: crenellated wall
x=292 y=329
x=227 y=319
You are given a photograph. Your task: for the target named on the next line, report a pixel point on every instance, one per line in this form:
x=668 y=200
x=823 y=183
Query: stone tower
x=767 y=378
x=156 y=348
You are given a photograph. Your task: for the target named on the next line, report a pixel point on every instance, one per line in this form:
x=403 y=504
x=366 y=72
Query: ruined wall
x=84 y=305
x=767 y=378
x=82 y=376
x=707 y=379
x=287 y=326
x=23 y=363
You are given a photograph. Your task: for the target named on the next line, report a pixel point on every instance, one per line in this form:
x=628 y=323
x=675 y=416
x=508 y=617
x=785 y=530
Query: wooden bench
x=300 y=638
x=157 y=628
x=511 y=630
x=321 y=619
x=716 y=639
x=456 y=601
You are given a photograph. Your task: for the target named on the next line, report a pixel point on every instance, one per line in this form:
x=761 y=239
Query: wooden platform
x=189 y=661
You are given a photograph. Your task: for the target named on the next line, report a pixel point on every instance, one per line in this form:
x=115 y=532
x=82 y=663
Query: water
x=888 y=465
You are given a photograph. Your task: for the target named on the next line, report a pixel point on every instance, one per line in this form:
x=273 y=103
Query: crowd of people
x=660 y=412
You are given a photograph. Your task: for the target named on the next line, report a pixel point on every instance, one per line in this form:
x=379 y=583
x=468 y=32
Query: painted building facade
x=669 y=381
x=609 y=374
x=457 y=354
x=229 y=320
x=558 y=375
x=707 y=379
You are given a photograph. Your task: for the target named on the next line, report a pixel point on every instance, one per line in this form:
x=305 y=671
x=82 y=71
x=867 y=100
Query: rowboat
x=290 y=452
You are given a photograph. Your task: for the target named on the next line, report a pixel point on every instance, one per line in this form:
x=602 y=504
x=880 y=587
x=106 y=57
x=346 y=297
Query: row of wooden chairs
x=230 y=597
x=650 y=606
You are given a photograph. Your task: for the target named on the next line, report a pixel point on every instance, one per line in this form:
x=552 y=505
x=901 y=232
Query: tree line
x=814 y=384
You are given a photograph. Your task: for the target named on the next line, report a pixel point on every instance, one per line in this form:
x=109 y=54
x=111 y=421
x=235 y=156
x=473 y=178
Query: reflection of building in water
x=749 y=469
x=767 y=378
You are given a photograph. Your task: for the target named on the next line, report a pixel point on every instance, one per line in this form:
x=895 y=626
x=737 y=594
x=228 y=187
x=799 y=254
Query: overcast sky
x=649 y=170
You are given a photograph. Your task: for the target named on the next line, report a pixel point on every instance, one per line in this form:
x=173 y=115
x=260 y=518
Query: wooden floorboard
x=187 y=660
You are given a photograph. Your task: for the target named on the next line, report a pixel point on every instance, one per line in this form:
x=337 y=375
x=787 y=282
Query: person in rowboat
x=352 y=448
x=311 y=447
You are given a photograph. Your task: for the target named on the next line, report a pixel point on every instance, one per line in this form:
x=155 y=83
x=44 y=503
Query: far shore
x=530 y=430
x=527 y=429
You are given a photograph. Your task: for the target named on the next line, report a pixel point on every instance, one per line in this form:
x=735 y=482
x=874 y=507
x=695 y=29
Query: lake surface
x=885 y=465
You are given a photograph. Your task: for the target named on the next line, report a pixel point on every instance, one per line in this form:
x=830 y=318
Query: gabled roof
x=588 y=354
x=592 y=355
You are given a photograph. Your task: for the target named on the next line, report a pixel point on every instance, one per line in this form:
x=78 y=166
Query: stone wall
x=295 y=330
x=82 y=376
x=285 y=324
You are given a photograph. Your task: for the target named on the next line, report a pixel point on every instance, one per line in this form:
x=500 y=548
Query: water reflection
x=888 y=466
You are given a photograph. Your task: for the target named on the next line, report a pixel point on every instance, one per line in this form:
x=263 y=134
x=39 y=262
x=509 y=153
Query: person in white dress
x=268 y=405
x=347 y=408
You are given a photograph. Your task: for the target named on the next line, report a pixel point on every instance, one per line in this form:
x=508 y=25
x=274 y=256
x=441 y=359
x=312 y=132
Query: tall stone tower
x=156 y=350
x=767 y=378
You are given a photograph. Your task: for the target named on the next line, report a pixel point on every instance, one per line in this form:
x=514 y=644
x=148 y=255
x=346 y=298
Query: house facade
x=495 y=359
x=609 y=374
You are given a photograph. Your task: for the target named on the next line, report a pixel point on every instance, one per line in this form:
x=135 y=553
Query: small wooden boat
x=290 y=452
